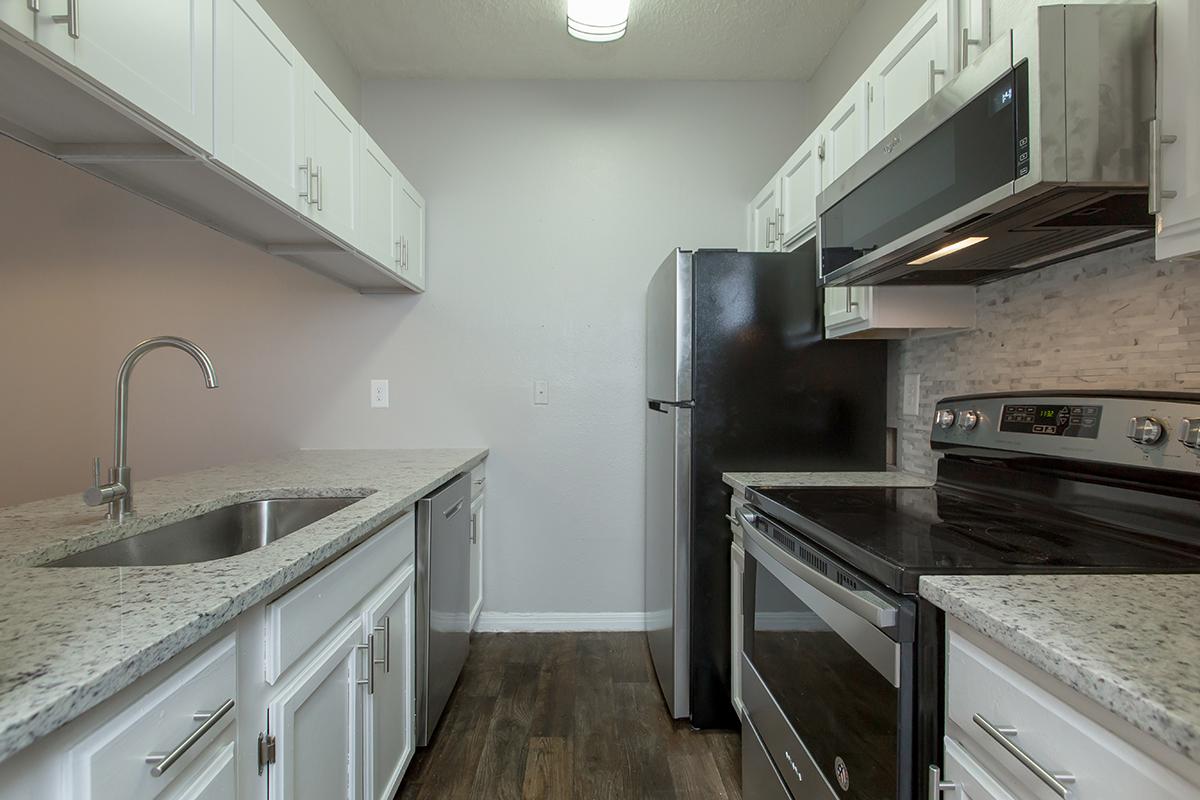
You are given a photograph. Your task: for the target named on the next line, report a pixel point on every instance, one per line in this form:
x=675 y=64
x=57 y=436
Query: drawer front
x=302 y=617
x=1049 y=732
x=110 y=763
x=478 y=480
x=971 y=781
x=216 y=779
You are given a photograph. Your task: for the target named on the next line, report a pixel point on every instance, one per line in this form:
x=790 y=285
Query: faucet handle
x=100 y=493
x=96 y=472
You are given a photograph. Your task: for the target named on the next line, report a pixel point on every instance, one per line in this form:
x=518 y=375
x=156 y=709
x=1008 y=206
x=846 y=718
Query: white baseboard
x=506 y=621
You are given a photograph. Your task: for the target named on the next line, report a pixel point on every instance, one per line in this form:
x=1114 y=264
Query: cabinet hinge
x=266 y=751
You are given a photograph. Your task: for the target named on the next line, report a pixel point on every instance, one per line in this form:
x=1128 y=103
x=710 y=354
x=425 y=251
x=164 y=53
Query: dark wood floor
x=568 y=715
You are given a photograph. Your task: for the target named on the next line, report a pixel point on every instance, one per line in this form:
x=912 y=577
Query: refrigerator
x=738 y=378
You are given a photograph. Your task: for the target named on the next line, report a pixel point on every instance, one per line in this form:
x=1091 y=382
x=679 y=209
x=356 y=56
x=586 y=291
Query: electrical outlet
x=541 y=393
x=379 y=393
x=912 y=394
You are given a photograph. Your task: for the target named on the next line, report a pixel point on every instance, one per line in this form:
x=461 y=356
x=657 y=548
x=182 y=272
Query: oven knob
x=967 y=420
x=1145 y=430
x=1189 y=433
x=945 y=418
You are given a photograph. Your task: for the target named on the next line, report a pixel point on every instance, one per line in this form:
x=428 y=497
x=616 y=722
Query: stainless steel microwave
x=1038 y=152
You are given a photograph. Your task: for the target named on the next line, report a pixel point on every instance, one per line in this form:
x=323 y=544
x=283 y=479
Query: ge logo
x=843 y=774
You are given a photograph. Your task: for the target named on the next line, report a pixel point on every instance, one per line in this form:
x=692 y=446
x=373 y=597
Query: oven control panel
x=1129 y=428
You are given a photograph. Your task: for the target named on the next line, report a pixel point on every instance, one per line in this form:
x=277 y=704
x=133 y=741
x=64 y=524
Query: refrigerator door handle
x=661 y=405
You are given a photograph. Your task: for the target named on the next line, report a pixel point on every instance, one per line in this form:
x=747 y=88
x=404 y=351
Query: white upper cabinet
x=330 y=169
x=799 y=182
x=910 y=69
x=17 y=15
x=259 y=95
x=1178 y=184
x=155 y=54
x=410 y=233
x=972 y=32
x=842 y=136
x=378 y=195
x=764 y=218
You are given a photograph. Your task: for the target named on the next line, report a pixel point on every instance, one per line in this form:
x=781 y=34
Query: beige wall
x=304 y=29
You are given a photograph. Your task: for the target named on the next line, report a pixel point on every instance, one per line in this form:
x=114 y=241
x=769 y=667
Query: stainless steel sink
x=225 y=532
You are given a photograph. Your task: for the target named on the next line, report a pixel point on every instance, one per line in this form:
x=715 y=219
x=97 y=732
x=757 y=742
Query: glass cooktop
x=895 y=535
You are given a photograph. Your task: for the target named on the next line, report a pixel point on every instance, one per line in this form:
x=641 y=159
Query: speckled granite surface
x=1129 y=642
x=72 y=637
x=741 y=480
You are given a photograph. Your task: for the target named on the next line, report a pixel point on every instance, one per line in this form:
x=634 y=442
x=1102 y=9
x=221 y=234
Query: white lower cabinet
x=315 y=722
x=478 y=513
x=737 y=568
x=391 y=692
x=1013 y=731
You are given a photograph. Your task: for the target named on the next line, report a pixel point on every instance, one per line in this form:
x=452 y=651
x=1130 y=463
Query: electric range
x=843 y=662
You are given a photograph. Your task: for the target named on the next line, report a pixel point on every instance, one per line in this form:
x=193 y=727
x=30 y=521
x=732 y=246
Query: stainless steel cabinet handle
x=474 y=530
x=937 y=785
x=933 y=73
x=371 y=662
x=386 y=630
x=316 y=173
x=821 y=149
x=964 y=47
x=163 y=761
x=306 y=192
x=779 y=227
x=1057 y=781
x=33 y=5
x=406 y=253
x=71 y=18
x=770 y=231
x=1157 y=140
x=731 y=518
x=450 y=512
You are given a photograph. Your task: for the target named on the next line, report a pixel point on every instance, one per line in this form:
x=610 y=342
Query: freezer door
x=668 y=517
x=669 y=330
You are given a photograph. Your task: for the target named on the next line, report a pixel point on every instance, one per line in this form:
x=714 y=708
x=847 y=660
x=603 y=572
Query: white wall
x=550 y=204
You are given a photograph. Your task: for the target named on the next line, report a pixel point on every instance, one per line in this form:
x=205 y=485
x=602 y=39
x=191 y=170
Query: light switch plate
x=541 y=393
x=912 y=394
x=379 y=393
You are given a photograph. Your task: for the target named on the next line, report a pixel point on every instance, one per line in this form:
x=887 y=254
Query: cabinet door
x=17 y=16
x=737 y=566
x=377 y=198
x=331 y=141
x=155 y=54
x=1179 y=111
x=910 y=70
x=764 y=218
x=798 y=188
x=971 y=781
x=972 y=32
x=843 y=134
x=847 y=305
x=478 y=507
x=410 y=225
x=316 y=723
x=259 y=94
x=391 y=694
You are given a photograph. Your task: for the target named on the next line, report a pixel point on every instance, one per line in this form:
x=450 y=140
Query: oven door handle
x=863 y=602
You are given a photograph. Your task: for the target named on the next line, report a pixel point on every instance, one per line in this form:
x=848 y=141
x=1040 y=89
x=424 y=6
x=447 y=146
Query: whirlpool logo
x=891 y=145
x=843 y=774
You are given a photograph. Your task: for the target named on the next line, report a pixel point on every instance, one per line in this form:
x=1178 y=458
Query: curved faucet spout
x=120 y=446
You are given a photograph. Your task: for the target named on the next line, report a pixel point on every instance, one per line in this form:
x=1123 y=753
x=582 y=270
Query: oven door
x=827 y=670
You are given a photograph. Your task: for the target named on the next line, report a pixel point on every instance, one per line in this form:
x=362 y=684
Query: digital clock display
x=1056 y=420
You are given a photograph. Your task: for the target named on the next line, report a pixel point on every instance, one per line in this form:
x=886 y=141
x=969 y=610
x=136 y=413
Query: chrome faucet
x=118 y=492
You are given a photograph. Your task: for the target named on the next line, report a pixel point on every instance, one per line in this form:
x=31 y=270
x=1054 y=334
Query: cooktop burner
x=896 y=535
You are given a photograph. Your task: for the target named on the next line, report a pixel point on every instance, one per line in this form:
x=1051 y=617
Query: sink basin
x=221 y=533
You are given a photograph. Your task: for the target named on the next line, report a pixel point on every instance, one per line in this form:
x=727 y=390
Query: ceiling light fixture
x=597 y=20
x=954 y=247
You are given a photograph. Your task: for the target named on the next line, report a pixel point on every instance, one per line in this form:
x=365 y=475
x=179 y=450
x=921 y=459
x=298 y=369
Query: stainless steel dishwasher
x=443 y=598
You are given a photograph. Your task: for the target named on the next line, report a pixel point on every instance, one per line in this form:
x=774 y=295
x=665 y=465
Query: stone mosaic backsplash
x=1112 y=320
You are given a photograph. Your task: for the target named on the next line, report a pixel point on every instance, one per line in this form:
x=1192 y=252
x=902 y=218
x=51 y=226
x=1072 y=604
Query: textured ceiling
x=685 y=39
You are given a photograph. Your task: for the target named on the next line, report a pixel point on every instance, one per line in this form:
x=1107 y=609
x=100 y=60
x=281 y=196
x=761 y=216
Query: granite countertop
x=71 y=637
x=1128 y=642
x=740 y=481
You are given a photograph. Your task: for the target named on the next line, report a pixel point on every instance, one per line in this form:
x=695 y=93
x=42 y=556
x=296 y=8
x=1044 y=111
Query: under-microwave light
x=953 y=247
